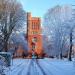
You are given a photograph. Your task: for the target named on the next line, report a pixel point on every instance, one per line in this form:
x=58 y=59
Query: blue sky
x=39 y=7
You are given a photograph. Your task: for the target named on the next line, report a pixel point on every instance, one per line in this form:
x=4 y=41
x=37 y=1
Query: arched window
x=33 y=46
x=34 y=39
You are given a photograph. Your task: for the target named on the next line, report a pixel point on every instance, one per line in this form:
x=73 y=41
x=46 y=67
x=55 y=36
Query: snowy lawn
x=41 y=67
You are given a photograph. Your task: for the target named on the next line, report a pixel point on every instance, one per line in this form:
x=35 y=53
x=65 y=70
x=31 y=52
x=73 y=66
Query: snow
x=44 y=66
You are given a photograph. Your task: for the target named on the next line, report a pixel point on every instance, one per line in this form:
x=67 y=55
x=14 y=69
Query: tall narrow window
x=38 y=26
x=33 y=47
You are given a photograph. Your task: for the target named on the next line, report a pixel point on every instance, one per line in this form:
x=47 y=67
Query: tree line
x=59 y=27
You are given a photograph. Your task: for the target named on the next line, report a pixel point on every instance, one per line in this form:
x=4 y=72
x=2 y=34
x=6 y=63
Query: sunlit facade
x=34 y=34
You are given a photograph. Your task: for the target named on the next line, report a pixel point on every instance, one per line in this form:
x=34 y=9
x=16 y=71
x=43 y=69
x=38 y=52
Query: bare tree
x=12 y=17
x=70 y=25
x=55 y=27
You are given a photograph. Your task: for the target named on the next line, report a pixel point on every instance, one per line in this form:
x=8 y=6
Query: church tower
x=34 y=34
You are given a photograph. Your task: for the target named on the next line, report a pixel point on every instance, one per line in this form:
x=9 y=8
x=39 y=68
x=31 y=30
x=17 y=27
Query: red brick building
x=34 y=36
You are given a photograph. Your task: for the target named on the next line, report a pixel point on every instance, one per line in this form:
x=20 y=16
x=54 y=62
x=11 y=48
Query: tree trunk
x=6 y=37
x=70 y=51
x=5 y=46
x=61 y=55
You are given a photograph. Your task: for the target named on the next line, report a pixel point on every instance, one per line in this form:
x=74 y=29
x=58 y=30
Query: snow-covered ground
x=41 y=67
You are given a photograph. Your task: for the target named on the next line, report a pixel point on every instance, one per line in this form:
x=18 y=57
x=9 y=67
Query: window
x=34 y=39
x=34 y=25
x=38 y=26
x=34 y=32
x=33 y=47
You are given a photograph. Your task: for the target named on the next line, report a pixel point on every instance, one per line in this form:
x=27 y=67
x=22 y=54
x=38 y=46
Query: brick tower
x=34 y=34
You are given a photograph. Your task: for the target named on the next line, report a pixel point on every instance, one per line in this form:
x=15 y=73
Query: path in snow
x=41 y=67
